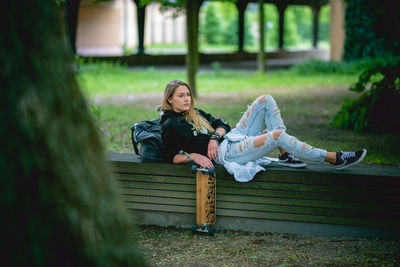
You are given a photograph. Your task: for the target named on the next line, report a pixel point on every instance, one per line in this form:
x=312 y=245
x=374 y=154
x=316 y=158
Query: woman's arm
x=199 y=159
x=221 y=131
x=169 y=141
x=212 y=151
x=216 y=123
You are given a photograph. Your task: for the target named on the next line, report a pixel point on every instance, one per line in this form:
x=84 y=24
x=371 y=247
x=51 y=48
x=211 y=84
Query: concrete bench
x=362 y=201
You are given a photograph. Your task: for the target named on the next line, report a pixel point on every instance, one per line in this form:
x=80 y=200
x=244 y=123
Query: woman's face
x=181 y=99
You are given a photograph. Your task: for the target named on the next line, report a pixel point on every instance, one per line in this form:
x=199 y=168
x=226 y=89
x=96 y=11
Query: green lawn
x=307 y=101
x=105 y=79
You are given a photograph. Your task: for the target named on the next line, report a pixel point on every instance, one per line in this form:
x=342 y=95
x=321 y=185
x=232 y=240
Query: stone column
x=141 y=12
x=315 y=13
x=241 y=7
x=281 y=6
x=337 y=32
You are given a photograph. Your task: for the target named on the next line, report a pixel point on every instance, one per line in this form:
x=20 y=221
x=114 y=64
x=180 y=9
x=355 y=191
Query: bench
x=362 y=201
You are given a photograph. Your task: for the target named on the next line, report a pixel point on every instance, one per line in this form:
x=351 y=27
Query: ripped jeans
x=265 y=112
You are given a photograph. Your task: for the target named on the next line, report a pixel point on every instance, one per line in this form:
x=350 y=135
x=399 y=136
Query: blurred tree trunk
x=71 y=18
x=261 y=66
x=57 y=196
x=192 y=28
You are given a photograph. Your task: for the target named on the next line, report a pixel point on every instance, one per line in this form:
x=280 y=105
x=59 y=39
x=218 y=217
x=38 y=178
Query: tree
x=60 y=202
x=303 y=20
x=211 y=28
x=292 y=37
x=372 y=29
x=377 y=109
x=230 y=33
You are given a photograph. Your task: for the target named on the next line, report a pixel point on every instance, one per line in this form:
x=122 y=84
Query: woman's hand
x=212 y=152
x=201 y=160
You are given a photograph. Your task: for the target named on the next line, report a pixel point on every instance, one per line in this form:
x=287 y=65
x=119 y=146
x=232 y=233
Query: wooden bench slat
x=253 y=199
x=350 y=213
x=355 y=197
x=361 y=189
x=392 y=224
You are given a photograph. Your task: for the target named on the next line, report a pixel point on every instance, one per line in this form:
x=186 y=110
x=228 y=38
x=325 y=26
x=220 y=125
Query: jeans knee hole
x=262 y=99
x=276 y=134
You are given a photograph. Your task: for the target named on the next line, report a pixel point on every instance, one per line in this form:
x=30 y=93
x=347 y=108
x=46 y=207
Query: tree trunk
x=261 y=53
x=59 y=199
x=192 y=57
x=71 y=16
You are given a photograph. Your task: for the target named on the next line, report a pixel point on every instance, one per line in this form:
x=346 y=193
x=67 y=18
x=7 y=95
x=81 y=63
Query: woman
x=190 y=134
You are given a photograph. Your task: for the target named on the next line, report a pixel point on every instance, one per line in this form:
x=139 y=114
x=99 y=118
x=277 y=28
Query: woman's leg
x=255 y=147
x=263 y=112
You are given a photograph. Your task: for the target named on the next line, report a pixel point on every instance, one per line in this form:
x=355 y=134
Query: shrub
x=372 y=29
x=212 y=28
x=316 y=66
x=377 y=109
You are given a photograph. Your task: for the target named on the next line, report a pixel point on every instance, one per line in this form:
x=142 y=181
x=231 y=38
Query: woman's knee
x=276 y=134
x=262 y=99
x=260 y=140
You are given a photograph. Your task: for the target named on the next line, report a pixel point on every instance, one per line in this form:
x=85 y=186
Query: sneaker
x=290 y=160
x=347 y=159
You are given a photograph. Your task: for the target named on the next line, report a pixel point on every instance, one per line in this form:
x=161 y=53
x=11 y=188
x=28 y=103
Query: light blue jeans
x=263 y=117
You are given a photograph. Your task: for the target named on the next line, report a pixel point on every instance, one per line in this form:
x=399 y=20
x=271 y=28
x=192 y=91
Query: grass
x=107 y=79
x=307 y=102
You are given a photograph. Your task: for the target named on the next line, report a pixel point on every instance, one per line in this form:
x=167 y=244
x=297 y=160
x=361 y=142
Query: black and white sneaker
x=290 y=160
x=347 y=159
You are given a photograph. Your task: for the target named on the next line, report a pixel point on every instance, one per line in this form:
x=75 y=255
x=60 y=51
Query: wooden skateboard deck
x=205 y=199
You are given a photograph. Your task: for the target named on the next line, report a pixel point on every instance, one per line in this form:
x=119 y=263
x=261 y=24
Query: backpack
x=148 y=135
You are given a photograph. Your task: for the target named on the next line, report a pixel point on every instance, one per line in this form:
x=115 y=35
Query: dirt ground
x=179 y=247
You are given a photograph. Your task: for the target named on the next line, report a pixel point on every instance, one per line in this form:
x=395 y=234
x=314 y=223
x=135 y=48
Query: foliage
x=231 y=32
x=272 y=25
x=372 y=29
x=315 y=66
x=220 y=24
x=302 y=17
x=377 y=109
x=211 y=29
x=324 y=23
x=291 y=32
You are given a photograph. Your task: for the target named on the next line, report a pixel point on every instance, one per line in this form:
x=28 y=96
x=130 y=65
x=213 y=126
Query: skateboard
x=205 y=200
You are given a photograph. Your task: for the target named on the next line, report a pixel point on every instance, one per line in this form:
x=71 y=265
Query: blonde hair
x=191 y=115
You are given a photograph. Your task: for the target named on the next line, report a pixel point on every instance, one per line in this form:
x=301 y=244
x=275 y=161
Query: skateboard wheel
x=194 y=229
x=194 y=168
x=211 y=231
x=211 y=170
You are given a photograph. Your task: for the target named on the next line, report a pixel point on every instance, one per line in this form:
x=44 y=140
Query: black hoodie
x=178 y=136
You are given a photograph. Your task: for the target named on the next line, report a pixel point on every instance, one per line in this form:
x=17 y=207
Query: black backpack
x=148 y=135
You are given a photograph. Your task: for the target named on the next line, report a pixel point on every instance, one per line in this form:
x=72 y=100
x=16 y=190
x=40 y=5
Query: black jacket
x=178 y=136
